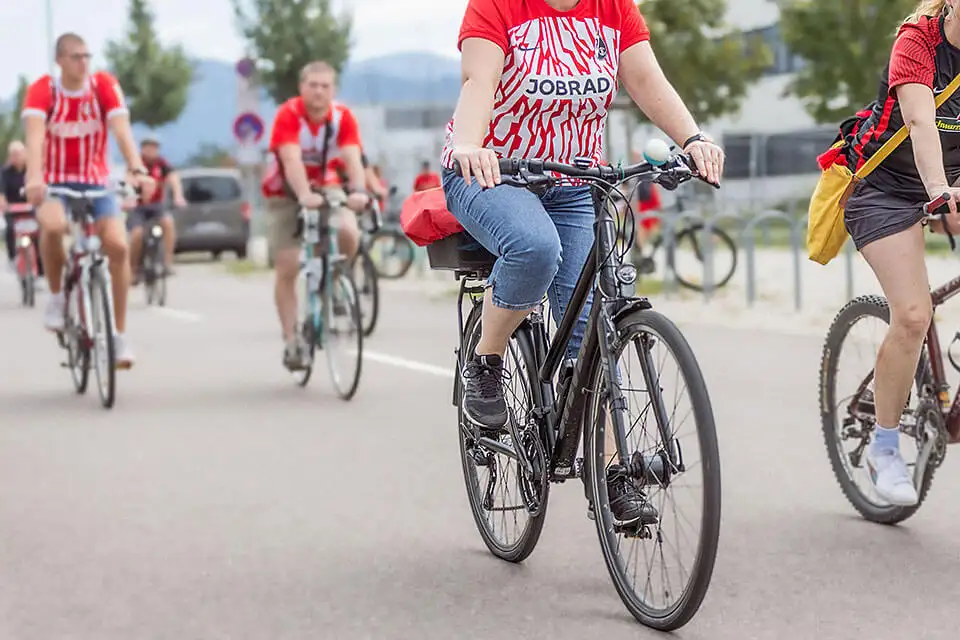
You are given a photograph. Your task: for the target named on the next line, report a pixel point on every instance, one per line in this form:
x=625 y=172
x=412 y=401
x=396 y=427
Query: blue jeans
x=104 y=207
x=541 y=244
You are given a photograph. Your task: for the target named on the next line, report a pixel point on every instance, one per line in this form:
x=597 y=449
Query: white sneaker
x=890 y=477
x=53 y=316
x=123 y=352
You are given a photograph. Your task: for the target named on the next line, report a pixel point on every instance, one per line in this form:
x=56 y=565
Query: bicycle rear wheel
x=659 y=459
x=101 y=334
x=74 y=339
x=498 y=492
x=392 y=253
x=368 y=290
x=343 y=334
x=688 y=255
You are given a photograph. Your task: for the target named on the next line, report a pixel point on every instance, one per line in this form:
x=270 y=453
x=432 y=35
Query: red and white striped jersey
x=560 y=74
x=75 y=149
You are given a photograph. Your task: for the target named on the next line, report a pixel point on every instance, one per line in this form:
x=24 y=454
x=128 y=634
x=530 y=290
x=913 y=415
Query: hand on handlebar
x=708 y=160
x=35 y=192
x=145 y=184
x=947 y=210
x=479 y=162
x=358 y=201
x=312 y=200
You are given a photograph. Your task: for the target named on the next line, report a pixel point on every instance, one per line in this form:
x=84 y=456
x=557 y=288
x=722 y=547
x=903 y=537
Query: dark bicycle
x=153 y=263
x=553 y=401
x=365 y=273
x=930 y=420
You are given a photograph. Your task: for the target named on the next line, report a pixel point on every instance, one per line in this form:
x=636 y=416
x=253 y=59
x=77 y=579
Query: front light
x=156 y=231
x=627 y=273
x=25 y=241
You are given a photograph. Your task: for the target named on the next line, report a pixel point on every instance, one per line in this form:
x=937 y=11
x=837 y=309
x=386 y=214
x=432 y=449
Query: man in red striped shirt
x=66 y=120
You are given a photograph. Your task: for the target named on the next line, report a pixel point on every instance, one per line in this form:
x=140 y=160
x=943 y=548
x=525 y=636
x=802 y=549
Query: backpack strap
x=896 y=139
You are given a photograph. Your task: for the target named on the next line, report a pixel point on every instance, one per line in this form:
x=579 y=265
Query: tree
x=710 y=64
x=210 y=155
x=11 y=127
x=845 y=45
x=284 y=35
x=155 y=79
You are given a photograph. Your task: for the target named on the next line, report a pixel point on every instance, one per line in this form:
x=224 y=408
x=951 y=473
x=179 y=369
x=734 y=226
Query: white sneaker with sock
x=122 y=351
x=890 y=476
x=53 y=315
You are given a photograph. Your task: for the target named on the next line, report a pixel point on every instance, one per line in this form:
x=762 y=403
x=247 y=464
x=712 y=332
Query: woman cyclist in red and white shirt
x=538 y=79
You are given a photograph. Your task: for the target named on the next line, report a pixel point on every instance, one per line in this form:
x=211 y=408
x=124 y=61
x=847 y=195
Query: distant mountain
x=403 y=78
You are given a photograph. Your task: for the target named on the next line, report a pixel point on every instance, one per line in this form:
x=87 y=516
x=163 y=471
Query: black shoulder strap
x=327 y=134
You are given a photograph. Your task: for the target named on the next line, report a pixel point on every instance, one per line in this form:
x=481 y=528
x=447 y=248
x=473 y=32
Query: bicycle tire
x=655 y=324
x=78 y=351
x=721 y=242
x=345 y=386
x=102 y=315
x=403 y=248
x=28 y=282
x=863 y=306
x=368 y=287
x=527 y=541
x=308 y=331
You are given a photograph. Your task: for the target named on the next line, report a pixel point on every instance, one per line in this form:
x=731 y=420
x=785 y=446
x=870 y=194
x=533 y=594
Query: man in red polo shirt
x=426 y=179
x=164 y=174
x=314 y=140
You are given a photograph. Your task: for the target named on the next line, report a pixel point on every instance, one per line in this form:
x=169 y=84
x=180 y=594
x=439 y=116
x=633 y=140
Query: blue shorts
x=104 y=207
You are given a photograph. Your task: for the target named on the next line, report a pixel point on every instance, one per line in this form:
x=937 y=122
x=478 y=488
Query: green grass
x=244 y=268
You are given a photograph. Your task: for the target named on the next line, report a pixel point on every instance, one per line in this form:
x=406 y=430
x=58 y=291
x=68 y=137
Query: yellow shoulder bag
x=826 y=232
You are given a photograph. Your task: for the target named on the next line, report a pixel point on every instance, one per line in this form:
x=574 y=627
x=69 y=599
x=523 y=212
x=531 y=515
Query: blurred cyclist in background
x=149 y=208
x=11 y=184
x=426 y=179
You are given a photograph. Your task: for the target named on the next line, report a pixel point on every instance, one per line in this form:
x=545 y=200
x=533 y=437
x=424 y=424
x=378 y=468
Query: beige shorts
x=282 y=219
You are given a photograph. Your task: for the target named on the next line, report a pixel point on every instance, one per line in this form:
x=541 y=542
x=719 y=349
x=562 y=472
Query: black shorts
x=139 y=216
x=871 y=214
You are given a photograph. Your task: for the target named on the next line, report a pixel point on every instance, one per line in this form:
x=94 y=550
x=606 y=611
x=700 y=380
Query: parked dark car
x=217 y=217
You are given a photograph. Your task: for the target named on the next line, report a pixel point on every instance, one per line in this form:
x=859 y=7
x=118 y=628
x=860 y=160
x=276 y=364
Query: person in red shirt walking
x=66 y=121
x=147 y=209
x=314 y=139
x=426 y=179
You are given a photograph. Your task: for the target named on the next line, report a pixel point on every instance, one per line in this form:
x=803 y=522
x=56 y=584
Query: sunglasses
x=77 y=57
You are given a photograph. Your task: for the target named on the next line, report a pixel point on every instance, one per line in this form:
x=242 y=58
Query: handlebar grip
x=936 y=203
x=508 y=167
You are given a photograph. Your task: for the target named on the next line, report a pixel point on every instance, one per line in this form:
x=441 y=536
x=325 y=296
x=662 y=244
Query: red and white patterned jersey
x=560 y=74
x=76 y=142
x=292 y=125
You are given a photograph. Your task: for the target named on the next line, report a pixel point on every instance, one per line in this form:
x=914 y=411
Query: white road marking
x=412 y=365
x=178 y=314
x=374 y=356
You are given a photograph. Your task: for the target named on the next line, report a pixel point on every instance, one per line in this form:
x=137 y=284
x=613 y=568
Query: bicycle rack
x=748 y=240
x=709 y=224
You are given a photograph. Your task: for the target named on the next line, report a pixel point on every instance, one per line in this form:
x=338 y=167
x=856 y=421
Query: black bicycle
x=153 y=262
x=553 y=401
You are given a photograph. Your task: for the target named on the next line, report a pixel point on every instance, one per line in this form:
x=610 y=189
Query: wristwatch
x=697 y=137
x=140 y=171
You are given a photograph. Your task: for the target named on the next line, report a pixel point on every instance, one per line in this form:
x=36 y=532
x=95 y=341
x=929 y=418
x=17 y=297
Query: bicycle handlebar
x=929 y=214
x=676 y=169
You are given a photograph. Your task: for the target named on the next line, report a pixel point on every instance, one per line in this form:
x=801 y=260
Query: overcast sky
x=206 y=28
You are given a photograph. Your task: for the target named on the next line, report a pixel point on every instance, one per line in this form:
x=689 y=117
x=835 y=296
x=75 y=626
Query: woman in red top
x=539 y=76
x=883 y=214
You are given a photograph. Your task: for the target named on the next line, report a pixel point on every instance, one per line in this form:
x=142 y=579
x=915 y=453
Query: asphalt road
x=218 y=500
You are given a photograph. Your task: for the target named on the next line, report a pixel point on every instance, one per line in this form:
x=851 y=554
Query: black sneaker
x=627 y=502
x=483 y=402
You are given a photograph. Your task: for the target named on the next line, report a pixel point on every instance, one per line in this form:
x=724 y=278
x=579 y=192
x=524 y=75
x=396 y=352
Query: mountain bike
x=554 y=402
x=848 y=414
x=26 y=232
x=153 y=264
x=365 y=274
x=89 y=327
x=328 y=306
x=389 y=248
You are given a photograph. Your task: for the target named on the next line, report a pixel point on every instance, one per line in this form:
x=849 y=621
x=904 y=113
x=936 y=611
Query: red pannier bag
x=425 y=218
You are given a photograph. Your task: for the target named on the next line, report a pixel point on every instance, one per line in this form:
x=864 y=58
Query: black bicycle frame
x=563 y=424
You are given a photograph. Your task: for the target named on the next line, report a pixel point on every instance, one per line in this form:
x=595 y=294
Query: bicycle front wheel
x=101 y=335
x=368 y=290
x=689 y=254
x=671 y=471
x=343 y=334
x=392 y=253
